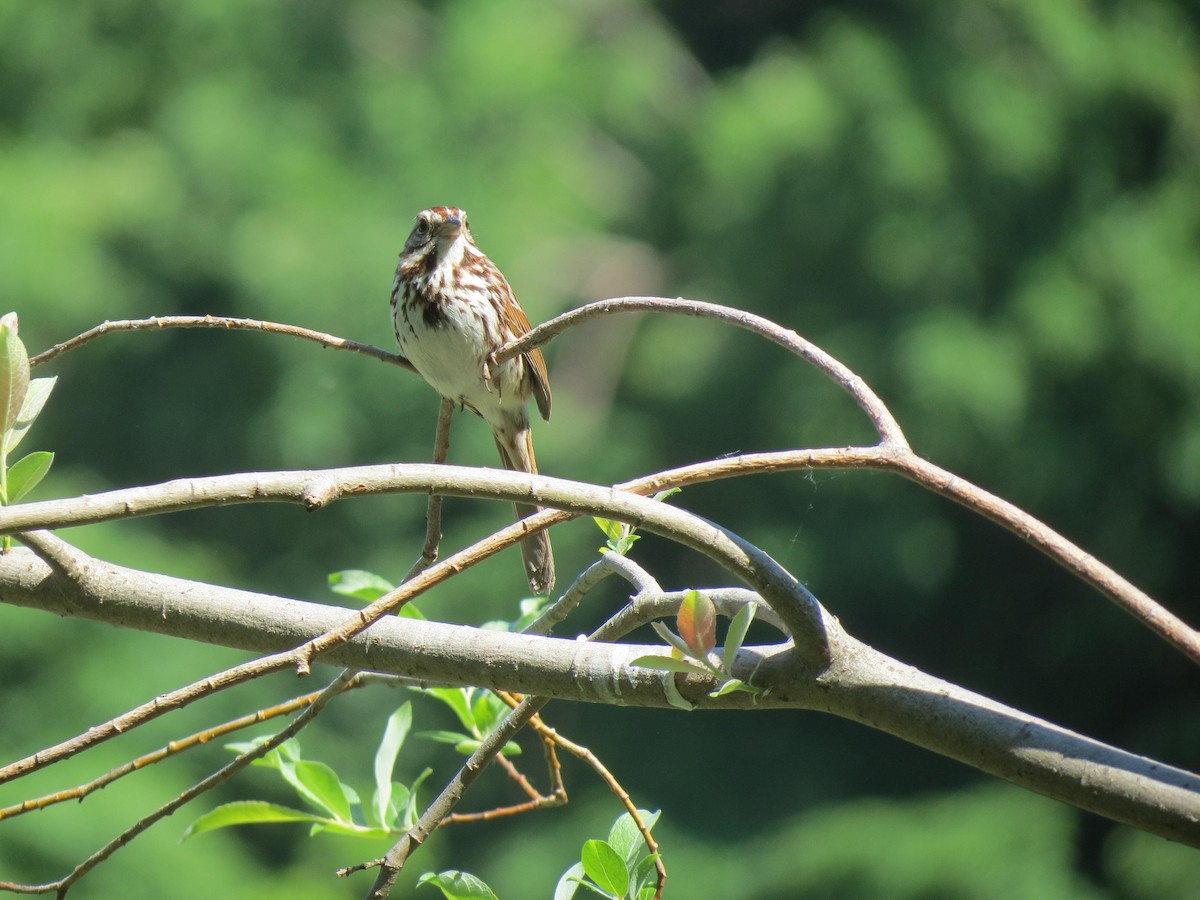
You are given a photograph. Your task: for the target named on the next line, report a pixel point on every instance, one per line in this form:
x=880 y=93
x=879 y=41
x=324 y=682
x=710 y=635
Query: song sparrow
x=452 y=310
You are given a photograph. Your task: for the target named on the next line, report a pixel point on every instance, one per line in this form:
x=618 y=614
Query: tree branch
x=861 y=684
x=881 y=417
x=316 y=488
x=226 y=323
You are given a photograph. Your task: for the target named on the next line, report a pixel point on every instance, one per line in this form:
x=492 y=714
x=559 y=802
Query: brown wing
x=535 y=362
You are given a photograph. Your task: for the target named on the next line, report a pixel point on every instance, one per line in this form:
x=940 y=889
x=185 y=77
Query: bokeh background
x=990 y=210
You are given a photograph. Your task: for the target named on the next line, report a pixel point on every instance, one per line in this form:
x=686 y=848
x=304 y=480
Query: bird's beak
x=451 y=226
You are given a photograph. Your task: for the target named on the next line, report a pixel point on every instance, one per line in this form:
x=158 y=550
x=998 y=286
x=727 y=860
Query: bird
x=452 y=309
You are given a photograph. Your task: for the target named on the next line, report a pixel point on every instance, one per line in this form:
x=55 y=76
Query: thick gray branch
x=861 y=684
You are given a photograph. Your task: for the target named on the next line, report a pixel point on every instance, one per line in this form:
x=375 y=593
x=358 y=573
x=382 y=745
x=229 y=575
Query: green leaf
x=359 y=584
x=350 y=829
x=35 y=398
x=626 y=838
x=621 y=537
x=531 y=610
x=288 y=750
x=671 y=638
x=398 y=725
x=613 y=530
x=675 y=698
x=470 y=745
x=738 y=627
x=27 y=473
x=645 y=878
x=728 y=687
x=457 y=885
x=489 y=711
x=457 y=699
x=668 y=664
x=605 y=867
x=247 y=812
x=408 y=817
x=697 y=621
x=444 y=737
x=14 y=374
x=568 y=884
x=319 y=785
x=667 y=492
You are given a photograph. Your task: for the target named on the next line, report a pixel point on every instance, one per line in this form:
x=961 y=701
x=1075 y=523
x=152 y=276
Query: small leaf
x=318 y=784
x=728 y=687
x=489 y=711
x=738 y=627
x=35 y=398
x=604 y=866
x=667 y=492
x=288 y=750
x=626 y=838
x=457 y=700
x=14 y=374
x=531 y=610
x=568 y=884
x=457 y=885
x=645 y=878
x=27 y=473
x=470 y=745
x=697 y=621
x=369 y=587
x=671 y=638
x=246 y=812
x=668 y=664
x=359 y=584
x=444 y=737
x=408 y=816
x=675 y=698
x=613 y=530
x=332 y=826
x=398 y=725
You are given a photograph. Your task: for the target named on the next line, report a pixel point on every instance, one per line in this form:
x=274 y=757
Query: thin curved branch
x=158 y=323
x=881 y=417
x=1126 y=595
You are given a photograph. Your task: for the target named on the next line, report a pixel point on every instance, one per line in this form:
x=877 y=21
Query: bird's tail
x=518 y=456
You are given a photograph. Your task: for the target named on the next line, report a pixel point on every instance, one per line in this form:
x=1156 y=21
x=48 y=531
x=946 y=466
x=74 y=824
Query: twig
x=391 y=864
x=171 y=749
x=158 y=323
x=60 y=887
x=614 y=785
x=433 y=514
x=537 y=800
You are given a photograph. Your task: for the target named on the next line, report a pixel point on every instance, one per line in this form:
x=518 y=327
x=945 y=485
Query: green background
x=990 y=210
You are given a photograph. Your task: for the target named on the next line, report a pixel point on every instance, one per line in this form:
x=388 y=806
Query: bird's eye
x=422 y=228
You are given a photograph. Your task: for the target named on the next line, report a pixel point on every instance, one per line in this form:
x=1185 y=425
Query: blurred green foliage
x=990 y=210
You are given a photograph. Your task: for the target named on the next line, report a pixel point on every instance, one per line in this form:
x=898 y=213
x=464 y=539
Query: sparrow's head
x=437 y=228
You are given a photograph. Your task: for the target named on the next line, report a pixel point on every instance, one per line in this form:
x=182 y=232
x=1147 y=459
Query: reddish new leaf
x=697 y=622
